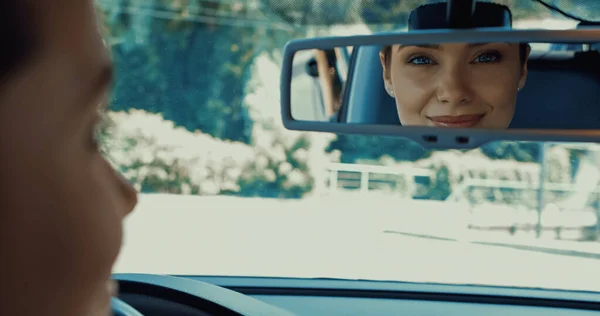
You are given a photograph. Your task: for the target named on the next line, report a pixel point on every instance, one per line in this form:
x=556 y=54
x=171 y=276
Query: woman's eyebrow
x=477 y=44
x=437 y=46
x=430 y=46
x=484 y=44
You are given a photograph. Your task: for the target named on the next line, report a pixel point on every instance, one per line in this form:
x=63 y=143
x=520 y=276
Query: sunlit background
x=226 y=190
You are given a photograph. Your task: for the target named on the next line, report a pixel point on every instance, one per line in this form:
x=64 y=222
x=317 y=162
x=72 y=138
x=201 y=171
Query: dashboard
x=344 y=297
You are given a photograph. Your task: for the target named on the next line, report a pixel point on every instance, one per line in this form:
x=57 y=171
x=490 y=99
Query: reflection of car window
x=196 y=127
x=330 y=80
x=343 y=59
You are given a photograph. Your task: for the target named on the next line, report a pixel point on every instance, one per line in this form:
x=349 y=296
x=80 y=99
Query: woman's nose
x=453 y=87
x=128 y=192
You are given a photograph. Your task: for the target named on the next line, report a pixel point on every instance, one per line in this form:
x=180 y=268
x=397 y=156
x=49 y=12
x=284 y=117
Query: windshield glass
x=225 y=190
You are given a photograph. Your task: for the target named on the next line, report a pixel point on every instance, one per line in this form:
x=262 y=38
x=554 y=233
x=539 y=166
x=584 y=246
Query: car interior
x=212 y=295
x=554 y=79
x=557 y=77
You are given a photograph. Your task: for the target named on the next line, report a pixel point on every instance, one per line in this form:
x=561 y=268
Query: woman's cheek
x=412 y=95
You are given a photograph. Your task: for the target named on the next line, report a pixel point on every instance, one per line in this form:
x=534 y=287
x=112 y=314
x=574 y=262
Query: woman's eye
x=420 y=60
x=488 y=57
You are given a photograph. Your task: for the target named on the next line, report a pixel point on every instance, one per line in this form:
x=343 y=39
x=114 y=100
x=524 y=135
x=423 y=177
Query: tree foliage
x=191 y=61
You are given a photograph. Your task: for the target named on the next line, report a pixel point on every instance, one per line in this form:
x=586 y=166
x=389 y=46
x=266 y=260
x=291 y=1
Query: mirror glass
x=451 y=85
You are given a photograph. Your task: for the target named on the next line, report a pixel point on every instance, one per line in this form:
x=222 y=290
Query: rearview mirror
x=447 y=89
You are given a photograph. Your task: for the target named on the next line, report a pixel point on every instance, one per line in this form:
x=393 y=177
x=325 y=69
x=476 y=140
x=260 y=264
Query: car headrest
x=561 y=91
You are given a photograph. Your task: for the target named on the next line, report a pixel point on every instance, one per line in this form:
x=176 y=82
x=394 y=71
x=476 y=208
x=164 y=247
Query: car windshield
x=195 y=124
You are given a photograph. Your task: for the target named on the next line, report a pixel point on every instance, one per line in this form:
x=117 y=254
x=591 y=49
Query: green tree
x=361 y=147
x=286 y=176
x=186 y=60
x=440 y=187
x=524 y=152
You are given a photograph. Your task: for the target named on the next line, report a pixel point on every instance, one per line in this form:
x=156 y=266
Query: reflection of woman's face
x=455 y=85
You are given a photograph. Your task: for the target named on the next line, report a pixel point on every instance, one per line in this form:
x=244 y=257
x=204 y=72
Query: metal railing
x=366 y=171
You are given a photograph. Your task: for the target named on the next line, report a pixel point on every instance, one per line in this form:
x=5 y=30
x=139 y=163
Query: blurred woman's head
x=61 y=203
x=457 y=84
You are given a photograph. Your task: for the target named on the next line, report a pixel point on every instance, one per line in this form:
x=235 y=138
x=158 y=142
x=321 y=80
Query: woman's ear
x=384 y=65
x=523 y=77
x=387 y=82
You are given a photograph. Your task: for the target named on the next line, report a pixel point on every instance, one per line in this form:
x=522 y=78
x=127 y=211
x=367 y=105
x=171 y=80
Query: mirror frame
x=431 y=137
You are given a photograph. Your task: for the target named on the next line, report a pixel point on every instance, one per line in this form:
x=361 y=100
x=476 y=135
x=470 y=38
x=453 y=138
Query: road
x=340 y=239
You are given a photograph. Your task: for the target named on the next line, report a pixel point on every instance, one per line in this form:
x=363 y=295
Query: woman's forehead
x=61 y=20
x=70 y=28
x=454 y=46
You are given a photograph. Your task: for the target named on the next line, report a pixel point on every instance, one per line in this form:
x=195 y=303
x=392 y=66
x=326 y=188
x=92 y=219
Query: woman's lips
x=457 y=121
